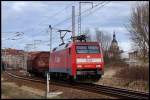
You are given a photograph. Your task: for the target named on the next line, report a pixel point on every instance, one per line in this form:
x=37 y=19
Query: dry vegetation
x=134 y=73
x=12 y=91
x=115 y=64
x=139 y=29
x=123 y=76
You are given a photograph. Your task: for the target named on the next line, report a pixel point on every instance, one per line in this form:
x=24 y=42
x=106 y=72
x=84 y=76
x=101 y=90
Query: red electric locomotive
x=77 y=60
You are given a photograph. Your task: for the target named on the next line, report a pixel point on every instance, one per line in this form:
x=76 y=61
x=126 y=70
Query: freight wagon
x=37 y=62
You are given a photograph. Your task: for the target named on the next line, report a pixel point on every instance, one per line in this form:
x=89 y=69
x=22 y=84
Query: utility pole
x=48 y=93
x=50 y=27
x=25 y=60
x=26 y=56
x=50 y=46
x=79 y=18
x=5 y=57
x=73 y=21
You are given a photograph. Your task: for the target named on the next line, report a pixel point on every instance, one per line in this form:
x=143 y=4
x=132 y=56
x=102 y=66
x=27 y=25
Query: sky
x=34 y=17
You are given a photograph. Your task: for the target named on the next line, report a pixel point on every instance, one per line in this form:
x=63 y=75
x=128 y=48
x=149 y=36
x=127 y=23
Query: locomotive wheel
x=71 y=80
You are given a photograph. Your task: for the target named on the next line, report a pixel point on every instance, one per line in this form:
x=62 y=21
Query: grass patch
x=14 y=92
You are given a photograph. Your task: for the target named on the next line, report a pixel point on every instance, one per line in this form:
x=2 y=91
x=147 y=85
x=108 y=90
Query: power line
x=57 y=13
x=94 y=10
x=70 y=18
x=97 y=9
x=102 y=4
x=77 y=14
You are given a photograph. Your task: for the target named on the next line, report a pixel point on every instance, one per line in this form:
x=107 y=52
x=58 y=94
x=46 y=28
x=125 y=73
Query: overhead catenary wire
x=65 y=19
x=78 y=14
x=102 y=5
x=56 y=29
x=96 y=9
x=59 y=12
x=56 y=14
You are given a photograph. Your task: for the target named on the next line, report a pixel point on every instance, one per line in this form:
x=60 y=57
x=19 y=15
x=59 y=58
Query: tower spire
x=114 y=36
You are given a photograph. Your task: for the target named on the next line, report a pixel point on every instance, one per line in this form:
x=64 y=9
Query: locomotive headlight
x=98 y=66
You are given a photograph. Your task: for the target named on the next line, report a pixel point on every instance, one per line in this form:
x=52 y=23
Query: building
x=114 y=51
x=134 y=59
x=133 y=55
x=13 y=58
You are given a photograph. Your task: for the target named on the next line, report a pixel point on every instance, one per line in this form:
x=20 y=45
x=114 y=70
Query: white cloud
x=31 y=13
x=126 y=46
x=110 y=30
x=18 y=6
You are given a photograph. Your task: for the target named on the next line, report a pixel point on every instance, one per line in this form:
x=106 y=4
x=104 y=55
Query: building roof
x=10 y=51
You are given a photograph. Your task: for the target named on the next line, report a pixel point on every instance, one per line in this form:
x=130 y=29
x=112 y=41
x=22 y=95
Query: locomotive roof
x=64 y=46
x=67 y=45
x=86 y=43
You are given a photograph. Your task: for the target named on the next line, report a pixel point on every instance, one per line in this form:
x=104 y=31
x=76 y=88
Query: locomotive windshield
x=87 y=49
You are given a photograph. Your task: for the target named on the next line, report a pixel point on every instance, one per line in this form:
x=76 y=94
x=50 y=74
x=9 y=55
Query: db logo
x=88 y=56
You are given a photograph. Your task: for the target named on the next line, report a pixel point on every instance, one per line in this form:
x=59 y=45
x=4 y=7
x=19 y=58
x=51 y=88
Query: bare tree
x=105 y=40
x=139 y=27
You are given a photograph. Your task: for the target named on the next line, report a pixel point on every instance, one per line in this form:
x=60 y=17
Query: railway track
x=115 y=92
x=123 y=93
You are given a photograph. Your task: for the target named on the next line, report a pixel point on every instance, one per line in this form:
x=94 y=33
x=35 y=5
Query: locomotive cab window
x=87 y=49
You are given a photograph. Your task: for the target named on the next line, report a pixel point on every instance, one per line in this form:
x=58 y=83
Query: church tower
x=114 y=48
x=114 y=43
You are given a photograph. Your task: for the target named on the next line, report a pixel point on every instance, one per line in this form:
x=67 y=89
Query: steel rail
x=125 y=93
x=24 y=78
x=113 y=91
